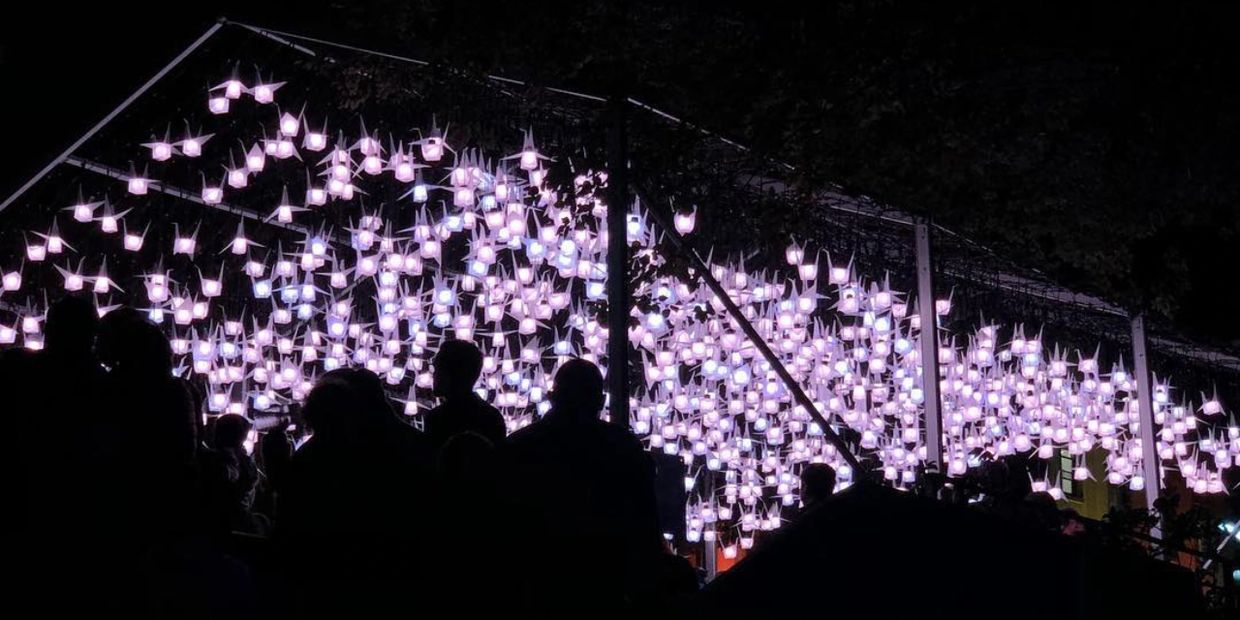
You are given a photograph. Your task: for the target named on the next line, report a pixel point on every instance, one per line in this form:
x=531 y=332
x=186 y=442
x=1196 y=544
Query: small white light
x=218 y=105
x=289 y=125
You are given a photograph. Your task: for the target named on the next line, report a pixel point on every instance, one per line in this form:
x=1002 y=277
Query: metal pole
x=188 y=196
x=111 y=115
x=617 y=264
x=703 y=271
x=929 y=350
x=1145 y=402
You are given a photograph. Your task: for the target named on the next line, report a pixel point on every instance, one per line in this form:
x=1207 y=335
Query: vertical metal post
x=929 y=350
x=1145 y=403
x=617 y=264
x=710 y=547
x=710 y=560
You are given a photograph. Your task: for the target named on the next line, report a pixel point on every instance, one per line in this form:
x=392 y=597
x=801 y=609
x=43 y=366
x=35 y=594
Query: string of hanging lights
x=509 y=252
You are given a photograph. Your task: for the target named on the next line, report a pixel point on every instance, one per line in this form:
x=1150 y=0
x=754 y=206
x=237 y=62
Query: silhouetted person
x=583 y=492
x=348 y=511
x=1073 y=524
x=817 y=484
x=465 y=536
x=50 y=402
x=673 y=583
x=115 y=329
x=275 y=449
x=230 y=475
x=457 y=365
x=158 y=448
x=1040 y=512
x=63 y=413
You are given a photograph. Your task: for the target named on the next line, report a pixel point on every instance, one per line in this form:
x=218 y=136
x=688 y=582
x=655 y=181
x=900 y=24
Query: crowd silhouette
x=125 y=496
x=121 y=486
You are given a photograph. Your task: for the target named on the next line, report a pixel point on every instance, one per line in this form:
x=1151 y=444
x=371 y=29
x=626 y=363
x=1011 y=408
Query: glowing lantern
x=160 y=151
x=238 y=177
x=184 y=245
x=255 y=160
x=684 y=222
x=265 y=93
x=316 y=196
x=192 y=145
x=133 y=241
x=218 y=105
x=212 y=195
x=137 y=185
x=289 y=125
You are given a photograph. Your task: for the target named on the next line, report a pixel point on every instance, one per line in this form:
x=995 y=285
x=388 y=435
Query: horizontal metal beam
x=176 y=192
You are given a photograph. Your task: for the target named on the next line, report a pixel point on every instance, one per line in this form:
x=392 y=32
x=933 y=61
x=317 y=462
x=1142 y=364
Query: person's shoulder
x=430 y=420
x=529 y=435
x=487 y=407
x=619 y=435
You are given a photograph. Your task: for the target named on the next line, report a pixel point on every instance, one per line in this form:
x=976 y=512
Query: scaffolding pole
x=617 y=265
x=928 y=316
x=1145 y=402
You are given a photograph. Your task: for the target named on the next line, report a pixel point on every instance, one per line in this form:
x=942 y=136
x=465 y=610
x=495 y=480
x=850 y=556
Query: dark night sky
x=64 y=68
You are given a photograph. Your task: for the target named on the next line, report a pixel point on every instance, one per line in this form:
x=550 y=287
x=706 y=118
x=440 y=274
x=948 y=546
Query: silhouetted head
x=817 y=483
x=457 y=367
x=145 y=350
x=578 y=392
x=71 y=326
x=329 y=405
x=230 y=431
x=373 y=406
x=115 y=328
x=352 y=402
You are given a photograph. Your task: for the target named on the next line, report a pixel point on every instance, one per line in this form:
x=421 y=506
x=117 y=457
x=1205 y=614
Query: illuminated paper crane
x=240 y=245
x=264 y=92
x=529 y=157
x=109 y=221
x=283 y=212
x=133 y=241
x=191 y=145
x=73 y=279
x=185 y=244
x=82 y=210
x=102 y=283
x=434 y=143
x=162 y=150
x=137 y=184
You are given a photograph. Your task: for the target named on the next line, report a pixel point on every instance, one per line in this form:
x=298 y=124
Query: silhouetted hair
x=578 y=389
x=146 y=350
x=328 y=405
x=71 y=325
x=231 y=430
x=817 y=482
x=115 y=329
x=460 y=358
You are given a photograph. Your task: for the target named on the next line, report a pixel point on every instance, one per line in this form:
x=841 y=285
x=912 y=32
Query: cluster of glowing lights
x=526 y=289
